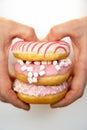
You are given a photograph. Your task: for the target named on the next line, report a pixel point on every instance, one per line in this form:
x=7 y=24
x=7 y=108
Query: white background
x=42 y=15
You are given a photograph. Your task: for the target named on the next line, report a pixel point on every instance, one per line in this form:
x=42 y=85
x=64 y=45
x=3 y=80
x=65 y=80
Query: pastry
x=42 y=70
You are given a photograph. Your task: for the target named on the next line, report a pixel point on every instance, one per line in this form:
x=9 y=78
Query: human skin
x=8 y=31
x=76 y=29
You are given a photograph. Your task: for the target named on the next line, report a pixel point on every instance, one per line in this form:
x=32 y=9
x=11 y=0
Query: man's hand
x=77 y=31
x=8 y=31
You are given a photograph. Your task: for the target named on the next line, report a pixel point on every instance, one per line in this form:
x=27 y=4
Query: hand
x=77 y=31
x=8 y=31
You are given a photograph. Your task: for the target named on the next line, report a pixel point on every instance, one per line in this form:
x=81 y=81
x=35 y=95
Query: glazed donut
x=41 y=51
x=42 y=70
x=49 y=73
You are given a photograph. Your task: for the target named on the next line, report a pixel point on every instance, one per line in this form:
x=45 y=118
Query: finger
x=7 y=95
x=56 y=33
x=76 y=90
x=22 y=31
x=70 y=97
x=14 y=100
x=60 y=31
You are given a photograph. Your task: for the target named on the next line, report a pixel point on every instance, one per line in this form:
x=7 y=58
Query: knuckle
x=31 y=31
x=53 y=30
x=79 y=93
x=2 y=95
x=30 y=34
x=52 y=34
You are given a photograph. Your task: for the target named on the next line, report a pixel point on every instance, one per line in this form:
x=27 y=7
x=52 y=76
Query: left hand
x=77 y=31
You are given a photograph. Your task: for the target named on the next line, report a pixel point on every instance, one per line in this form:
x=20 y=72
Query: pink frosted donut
x=42 y=70
x=43 y=73
x=41 y=50
x=40 y=94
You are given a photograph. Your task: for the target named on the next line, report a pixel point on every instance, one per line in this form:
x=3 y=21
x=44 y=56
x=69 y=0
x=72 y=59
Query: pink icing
x=50 y=69
x=34 y=90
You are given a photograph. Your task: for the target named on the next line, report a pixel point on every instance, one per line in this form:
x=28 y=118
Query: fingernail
x=54 y=106
x=27 y=108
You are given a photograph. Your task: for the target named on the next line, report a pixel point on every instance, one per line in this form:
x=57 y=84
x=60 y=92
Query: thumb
x=60 y=31
x=23 y=31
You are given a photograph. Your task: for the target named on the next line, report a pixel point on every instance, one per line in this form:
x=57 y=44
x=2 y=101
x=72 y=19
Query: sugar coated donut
x=42 y=70
x=40 y=94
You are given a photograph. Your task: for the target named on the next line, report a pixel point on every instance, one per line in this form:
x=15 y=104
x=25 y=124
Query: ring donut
x=42 y=70
x=41 y=51
x=40 y=94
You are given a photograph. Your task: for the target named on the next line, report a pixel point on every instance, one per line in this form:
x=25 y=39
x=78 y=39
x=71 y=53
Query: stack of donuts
x=42 y=70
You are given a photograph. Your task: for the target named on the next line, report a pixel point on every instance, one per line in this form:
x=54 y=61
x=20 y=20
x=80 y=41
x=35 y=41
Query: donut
x=40 y=51
x=43 y=73
x=41 y=70
x=40 y=94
